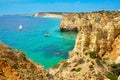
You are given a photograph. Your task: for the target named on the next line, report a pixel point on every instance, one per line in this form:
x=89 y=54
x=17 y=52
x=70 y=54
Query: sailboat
x=20 y=27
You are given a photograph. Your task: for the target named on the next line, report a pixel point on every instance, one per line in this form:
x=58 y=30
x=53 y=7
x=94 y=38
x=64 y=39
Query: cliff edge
x=97 y=31
x=96 y=49
x=15 y=65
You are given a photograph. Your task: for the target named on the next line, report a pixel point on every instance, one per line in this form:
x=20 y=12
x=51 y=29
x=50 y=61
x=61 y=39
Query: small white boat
x=57 y=52
x=46 y=35
x=20 y=27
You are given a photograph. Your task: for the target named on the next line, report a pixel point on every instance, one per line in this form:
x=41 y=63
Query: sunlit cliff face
x=96 y=31
x=15 y=65
x=96 y=47
x=115 y=54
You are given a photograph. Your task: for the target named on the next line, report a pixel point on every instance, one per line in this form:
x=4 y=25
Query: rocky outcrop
x=115 y=54
x=97 y=46
x=74 y=21
x=15 y=65
x=96 y=31
x=70 y=22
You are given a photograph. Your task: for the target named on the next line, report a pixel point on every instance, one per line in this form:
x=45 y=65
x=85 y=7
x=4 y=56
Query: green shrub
x=56 y=66
x=62 y=61
x=116 y=69
x=92 y=54
x=78 y=69
x=65 y=64
x=105 y=59
x=99 y=62
x=111 y=76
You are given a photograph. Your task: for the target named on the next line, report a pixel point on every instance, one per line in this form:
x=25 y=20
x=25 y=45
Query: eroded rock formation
x=97 y=45
x=96 y=31
x=15 y=65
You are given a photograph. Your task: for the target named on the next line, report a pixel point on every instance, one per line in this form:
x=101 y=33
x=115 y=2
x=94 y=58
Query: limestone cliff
x=96 y=31
x=97 y=46
x=15 y=65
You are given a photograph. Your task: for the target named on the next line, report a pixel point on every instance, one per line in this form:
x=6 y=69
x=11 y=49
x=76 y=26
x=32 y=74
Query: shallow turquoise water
x=32 y=41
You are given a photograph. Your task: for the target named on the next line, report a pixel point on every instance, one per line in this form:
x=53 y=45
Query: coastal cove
x=47 y=51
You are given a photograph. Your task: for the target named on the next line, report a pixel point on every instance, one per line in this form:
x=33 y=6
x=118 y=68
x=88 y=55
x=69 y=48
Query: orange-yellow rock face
x=115 y=54
x=14 y=65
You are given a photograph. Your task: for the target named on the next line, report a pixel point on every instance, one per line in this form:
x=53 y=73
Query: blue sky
x=32 y=6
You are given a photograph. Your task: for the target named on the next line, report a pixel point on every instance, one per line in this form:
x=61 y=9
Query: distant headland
x=48 y=14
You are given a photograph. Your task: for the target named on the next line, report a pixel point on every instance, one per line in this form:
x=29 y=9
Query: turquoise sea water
x=32 y=41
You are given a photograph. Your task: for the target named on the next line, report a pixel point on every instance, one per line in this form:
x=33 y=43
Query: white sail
x=20 y=27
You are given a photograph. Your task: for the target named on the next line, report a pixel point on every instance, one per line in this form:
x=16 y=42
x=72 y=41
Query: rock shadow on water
x=35 y=50
x=53 y=51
